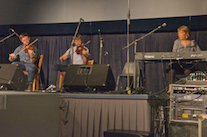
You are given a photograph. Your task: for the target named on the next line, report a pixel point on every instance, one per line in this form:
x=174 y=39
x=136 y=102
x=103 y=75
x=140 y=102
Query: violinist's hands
x=84 y=52
x=64 y=57
x=61 y=58
x=31 y=53
x=11 y=57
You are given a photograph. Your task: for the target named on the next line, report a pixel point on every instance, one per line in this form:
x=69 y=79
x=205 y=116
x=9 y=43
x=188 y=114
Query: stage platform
x=87 y=115
x=72 y=114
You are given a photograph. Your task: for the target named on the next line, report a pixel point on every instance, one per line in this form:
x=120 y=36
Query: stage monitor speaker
x=183 y=130
x=12 y=77
x=127 y=133
x=84 y=77
x=27 y=114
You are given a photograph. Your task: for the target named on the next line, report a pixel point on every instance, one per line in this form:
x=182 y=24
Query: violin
x=28 y=47
x=80 y=48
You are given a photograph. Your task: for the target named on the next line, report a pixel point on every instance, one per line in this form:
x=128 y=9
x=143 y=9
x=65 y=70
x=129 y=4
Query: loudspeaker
x=12 y=77
x=183 y=130
x=27 y=114
x=202 y=125
x=127 y=133
x=84 y=77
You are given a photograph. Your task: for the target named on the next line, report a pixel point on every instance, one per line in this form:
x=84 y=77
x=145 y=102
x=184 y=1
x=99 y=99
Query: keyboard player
x=183 y=44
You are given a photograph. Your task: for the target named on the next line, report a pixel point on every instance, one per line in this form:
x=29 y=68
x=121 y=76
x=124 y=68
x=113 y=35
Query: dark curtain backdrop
x=52 y=47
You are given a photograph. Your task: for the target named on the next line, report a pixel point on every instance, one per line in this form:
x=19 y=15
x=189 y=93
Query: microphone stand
x=7 y=37
x=101 y=46
x=128 y=24
x=135 y=43
x=71 y=62
x=163 y=25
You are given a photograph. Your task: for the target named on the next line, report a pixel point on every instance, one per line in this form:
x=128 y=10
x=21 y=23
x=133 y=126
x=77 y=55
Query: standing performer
x=27 y=57
x=80 y=56
x=183 y=44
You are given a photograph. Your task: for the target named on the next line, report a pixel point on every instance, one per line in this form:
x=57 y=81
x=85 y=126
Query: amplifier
x=197 y=78
x=187 y=107
x=187 y=102
x=187 y=113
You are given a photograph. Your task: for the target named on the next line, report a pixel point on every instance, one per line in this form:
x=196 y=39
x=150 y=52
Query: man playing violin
x=80 y=55
x=27 y=58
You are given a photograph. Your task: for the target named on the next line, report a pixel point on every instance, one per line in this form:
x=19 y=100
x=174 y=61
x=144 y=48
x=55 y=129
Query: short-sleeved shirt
x=192 y=46
x=77 y=58
x=24 y=56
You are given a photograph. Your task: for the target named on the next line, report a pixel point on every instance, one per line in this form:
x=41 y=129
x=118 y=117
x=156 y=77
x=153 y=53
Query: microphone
x=82 y=19
x=14 y=32
x=99 y=32
x=163 y=25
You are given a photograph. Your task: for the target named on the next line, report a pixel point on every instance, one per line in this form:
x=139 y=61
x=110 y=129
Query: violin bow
x=86 y=43
x=26 y=47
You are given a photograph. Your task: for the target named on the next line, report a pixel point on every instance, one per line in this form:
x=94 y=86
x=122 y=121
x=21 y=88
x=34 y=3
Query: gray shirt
x=24 y=56
x=192 y=46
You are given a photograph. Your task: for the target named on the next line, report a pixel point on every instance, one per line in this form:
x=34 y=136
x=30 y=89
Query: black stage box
x=28 y=114
x=83 y=77
x=179 y=129
x=12 y=77
x=127 y=133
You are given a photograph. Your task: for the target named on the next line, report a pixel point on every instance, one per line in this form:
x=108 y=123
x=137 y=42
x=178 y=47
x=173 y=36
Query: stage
x=28 y=114
x=72 y=114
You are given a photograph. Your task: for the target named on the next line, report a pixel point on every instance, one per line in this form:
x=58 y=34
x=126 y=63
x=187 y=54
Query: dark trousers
x=180 y=68
x=55 y=69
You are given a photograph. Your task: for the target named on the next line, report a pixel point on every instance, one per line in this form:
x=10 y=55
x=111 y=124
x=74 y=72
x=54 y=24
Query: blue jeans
x=30 y=68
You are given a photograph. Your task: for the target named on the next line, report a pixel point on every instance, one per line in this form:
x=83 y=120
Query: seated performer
x=27 y=58
x=183 y=44
x=78 y=59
